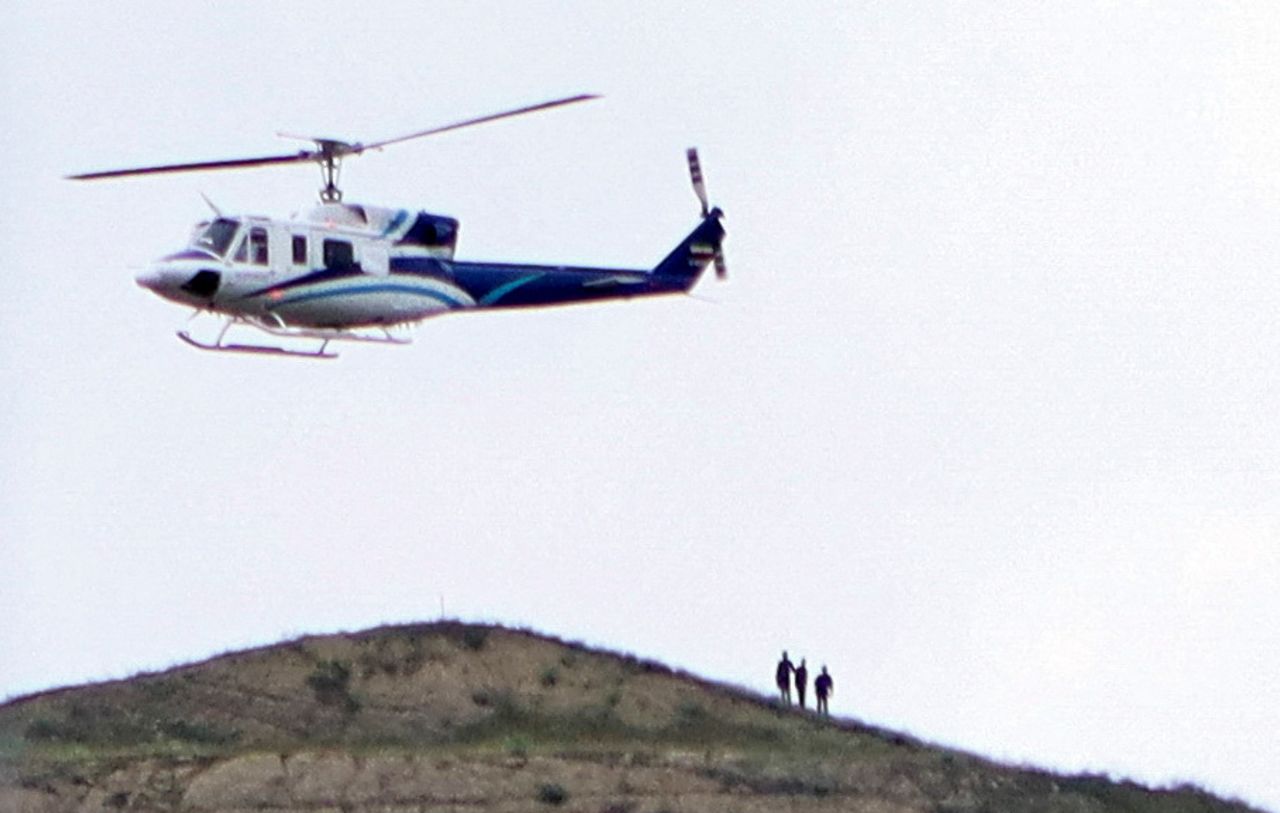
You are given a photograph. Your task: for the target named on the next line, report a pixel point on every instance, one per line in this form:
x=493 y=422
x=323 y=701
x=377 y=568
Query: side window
x=258 y=245
x=242 y=250
x=338 y=255
x=299 y=249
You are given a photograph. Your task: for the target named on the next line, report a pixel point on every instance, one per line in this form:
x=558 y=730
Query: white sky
x=985 y=419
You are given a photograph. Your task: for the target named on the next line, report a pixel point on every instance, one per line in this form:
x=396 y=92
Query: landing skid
x=266 y=350
x=279 y=328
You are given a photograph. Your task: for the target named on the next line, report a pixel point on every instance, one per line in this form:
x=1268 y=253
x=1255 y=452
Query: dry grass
x=584 y=729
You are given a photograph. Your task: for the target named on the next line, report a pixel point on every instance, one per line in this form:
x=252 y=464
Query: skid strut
x=283 y=330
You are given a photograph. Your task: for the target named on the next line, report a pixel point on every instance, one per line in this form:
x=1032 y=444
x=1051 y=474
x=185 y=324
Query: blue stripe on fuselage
x=502 y=290
x=374 y=288
x=312 y=278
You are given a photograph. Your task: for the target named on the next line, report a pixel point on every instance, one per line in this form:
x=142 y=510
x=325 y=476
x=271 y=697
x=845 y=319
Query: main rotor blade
x=234 y=163
x=481 y=120
x=328 y=151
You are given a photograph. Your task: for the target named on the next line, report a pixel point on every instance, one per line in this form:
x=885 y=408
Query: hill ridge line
x=501 y=705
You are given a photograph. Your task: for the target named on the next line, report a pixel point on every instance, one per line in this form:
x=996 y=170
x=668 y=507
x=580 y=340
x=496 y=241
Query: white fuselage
x=329 y=269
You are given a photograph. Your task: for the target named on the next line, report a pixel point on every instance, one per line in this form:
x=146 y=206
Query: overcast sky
x=984 y=420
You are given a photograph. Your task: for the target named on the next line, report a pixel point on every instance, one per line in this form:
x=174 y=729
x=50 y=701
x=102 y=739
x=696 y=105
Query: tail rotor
x=700 y=189
x=699 y=185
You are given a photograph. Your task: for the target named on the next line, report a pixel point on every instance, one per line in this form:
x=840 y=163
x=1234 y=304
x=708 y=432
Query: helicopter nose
x=180 y=284
x=152 y=278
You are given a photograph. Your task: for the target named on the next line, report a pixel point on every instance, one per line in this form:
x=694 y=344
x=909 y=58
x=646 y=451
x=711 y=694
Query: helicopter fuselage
x=347 y=266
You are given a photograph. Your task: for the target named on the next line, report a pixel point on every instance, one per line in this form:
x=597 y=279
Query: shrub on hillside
x=330 y=681
x=474 y=638
x=550 y=793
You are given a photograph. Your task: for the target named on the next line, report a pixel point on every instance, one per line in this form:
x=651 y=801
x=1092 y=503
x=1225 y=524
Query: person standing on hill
x=823 y=687
x=802 y=681
x=783 y=675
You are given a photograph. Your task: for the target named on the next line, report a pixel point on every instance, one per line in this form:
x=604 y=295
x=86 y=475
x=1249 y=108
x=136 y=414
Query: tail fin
x=696 y=252
x=701 y=247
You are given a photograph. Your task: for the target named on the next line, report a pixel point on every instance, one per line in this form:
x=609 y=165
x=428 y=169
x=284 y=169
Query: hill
x=450 y=716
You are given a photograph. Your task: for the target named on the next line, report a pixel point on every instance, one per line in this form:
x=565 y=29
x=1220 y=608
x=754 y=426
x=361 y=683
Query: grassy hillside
x=445 y=716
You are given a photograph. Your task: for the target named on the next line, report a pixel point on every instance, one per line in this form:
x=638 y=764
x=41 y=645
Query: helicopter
x=359 y=273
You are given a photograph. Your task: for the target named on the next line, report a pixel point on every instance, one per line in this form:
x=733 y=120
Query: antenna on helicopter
x=700 y=189
x=328 y=152
x=216 y=211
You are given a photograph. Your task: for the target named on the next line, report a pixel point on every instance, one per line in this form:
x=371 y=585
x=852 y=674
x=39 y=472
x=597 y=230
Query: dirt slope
x=450 y=716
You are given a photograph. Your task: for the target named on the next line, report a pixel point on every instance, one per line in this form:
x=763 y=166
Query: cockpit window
x=216 y=236
x=252 y=247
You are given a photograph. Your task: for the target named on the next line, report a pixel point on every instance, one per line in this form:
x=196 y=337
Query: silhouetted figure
x=823 y=687
x=802 y=681
x=785 y=668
